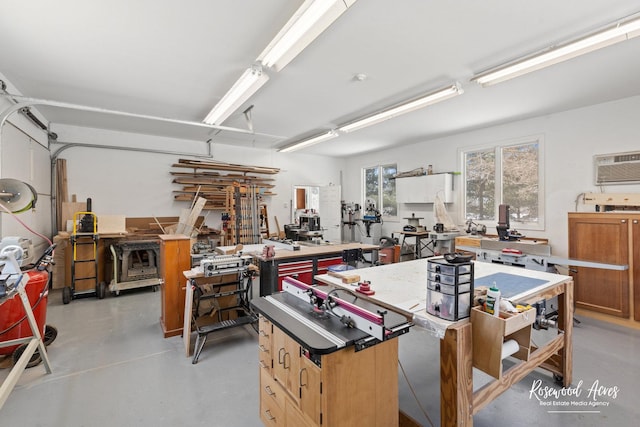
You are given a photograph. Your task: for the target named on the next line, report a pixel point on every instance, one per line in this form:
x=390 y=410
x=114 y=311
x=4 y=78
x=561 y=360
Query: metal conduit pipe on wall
x=22 y=103
x=68 y=145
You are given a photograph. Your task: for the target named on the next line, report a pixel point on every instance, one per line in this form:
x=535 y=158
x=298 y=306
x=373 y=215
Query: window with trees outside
x=380 y=187
x=508 y=174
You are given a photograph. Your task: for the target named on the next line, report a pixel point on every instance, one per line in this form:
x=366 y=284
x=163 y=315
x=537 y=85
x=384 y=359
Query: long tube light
x=614 y=33
x=405 y=107
x=307 y=23
x=248 y=84
x=310 y=141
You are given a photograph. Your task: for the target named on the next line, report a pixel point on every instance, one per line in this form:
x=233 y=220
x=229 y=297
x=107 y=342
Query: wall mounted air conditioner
x=618 y=168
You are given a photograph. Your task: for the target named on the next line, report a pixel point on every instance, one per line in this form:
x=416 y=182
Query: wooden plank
x=214 y=194
x=180 y=227
x=195 y=212
x=224 y=178
x=214 y=175
x=214 y=181
x=207 y=194
x=227 y=166
x=62 y=191
x=492 y=390
x=112 y=224
x=202 y=173
x=565 y=320
x=345 y=277
x=189 y=197
x=210 y=202
x=456 y=377
x=488 y=336
x=201 y=164
x=281 y=234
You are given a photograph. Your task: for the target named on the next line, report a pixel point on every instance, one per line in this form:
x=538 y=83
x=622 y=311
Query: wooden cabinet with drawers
x=298 y=388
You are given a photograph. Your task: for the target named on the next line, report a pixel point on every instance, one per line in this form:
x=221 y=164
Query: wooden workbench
x=402 y=288
x=304 y=264
x=306 y=250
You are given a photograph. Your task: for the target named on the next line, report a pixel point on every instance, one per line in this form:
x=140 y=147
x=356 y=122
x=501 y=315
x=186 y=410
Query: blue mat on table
x=509 y=284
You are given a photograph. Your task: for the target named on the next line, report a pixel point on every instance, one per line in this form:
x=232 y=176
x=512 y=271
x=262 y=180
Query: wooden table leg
x=456 y=377
x=565 y=321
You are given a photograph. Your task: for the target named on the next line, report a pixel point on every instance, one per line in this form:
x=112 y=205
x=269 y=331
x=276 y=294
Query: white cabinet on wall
x=423 y=189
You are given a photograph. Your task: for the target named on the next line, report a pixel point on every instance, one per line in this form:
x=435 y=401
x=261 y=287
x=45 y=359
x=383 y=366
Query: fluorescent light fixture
x=248 y=84
x=615 y=33
x=405 y=107
x=311 y=141
x=307 y=23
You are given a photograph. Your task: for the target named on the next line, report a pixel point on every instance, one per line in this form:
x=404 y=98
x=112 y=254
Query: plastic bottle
x=493 y=301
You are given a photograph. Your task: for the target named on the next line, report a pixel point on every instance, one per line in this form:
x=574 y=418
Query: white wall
x=24 y=156
x=570 y=140
x=138 y=184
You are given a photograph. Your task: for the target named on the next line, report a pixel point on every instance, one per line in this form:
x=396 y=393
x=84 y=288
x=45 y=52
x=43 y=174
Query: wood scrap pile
x=209 y=179
x=188 y=217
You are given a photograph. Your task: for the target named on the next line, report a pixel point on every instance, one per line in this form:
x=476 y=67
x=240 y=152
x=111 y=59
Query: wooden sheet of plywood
x=112 y=224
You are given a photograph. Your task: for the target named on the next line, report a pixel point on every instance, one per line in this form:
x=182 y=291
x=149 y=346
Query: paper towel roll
x=509 y=347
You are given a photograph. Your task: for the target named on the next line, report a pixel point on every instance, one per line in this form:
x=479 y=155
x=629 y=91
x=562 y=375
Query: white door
x=330 y=213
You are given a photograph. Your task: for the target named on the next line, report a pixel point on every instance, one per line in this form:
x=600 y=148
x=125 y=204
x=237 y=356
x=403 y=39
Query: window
x=380 y=187
x=508 y=174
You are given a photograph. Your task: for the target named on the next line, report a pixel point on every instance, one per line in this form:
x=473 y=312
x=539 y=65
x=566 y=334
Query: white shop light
x=614 y=33
x=310 y=141
x=249 y=82
x=403 y=108
x=307 y=23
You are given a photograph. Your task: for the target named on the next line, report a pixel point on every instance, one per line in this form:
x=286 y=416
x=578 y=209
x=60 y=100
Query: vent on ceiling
x=619 y=168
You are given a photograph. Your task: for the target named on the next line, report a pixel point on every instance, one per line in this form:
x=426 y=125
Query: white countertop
x=403 y=287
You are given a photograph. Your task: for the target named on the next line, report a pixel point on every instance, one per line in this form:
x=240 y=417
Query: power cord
x=415 y=396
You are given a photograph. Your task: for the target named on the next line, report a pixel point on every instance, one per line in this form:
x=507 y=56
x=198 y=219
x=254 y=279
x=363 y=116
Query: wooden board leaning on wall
x=205 y=180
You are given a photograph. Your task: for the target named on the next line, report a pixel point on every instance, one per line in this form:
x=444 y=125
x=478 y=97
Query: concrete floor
x=111 y=367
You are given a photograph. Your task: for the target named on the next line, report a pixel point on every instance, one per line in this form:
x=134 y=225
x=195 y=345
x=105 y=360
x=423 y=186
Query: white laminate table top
x=403 y=286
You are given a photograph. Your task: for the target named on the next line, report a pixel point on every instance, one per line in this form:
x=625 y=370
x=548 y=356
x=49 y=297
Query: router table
x=402 y=287
x=327 y=358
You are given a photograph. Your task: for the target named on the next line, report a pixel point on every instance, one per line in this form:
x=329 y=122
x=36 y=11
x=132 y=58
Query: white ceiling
x=176 y=59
